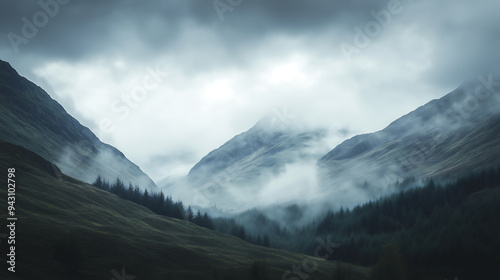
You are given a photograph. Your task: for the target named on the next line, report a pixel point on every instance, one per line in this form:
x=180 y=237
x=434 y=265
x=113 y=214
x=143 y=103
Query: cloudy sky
x=168 y=81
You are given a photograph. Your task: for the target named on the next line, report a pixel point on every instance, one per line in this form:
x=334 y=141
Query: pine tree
x=242 y=234
x=105 y=185
x=207 y=222
x=258 y=240
x=189 y=214
x=130 y=192
x=178 y=211
x=98 y=182
x=198 y=218
x=159 y=205
x=137 y=195
x=145 y=199
x=266 y=241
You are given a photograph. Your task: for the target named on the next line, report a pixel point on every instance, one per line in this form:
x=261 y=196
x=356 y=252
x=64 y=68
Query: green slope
x=31 y=118
x=113 y=233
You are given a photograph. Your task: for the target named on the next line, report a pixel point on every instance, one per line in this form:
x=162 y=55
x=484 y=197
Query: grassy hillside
x=31 y=118
x=111 y=233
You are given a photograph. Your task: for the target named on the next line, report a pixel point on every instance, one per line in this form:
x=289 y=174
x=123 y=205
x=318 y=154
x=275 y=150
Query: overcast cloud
x=228 y=68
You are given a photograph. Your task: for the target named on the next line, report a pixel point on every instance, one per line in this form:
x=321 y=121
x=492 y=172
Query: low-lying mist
x=287 y=181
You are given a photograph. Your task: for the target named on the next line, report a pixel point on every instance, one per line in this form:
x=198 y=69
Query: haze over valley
x=250 y=140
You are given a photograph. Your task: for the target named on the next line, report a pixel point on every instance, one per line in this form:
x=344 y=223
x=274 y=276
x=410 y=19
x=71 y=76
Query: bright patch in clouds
x=226 y=75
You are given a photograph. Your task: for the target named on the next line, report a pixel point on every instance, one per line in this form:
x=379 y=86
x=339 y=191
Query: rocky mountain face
x=445 y=137
x=31 y=118
x=239 y=170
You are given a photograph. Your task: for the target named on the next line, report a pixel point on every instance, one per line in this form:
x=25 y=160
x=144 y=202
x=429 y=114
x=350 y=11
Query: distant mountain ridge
x=259 y=143
x=240 y=168
x=110 y=232
x=31 y=118
x=457 y=133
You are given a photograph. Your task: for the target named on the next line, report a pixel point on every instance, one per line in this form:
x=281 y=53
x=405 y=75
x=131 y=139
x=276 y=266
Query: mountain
x=31 y=118
x=237 y=172
x=442 y=139
x=64 y=225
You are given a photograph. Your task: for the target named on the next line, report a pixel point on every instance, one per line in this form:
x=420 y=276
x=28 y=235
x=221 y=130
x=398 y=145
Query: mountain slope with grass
x=31 y=118
x=69 y=229
x=238 y=172
x=442 y=139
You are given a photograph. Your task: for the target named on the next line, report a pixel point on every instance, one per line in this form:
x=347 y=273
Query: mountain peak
x=32 y=119
x=6 y=70
x=5 y=64
x=442 y=138
x=279 y=120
